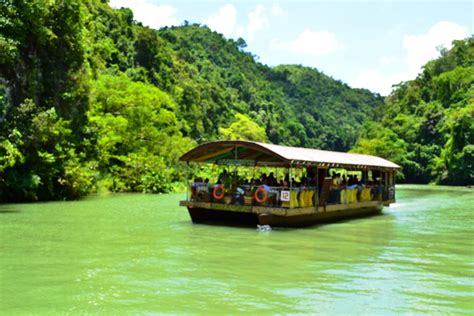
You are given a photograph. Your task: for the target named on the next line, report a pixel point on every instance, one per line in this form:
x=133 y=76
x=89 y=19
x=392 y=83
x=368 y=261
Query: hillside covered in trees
x=428 y=125
x=91 y=100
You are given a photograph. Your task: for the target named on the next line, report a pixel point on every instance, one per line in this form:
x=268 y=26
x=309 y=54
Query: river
x=140 y=254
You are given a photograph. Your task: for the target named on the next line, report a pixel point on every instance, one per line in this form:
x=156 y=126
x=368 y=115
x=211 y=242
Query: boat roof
x=242 y=152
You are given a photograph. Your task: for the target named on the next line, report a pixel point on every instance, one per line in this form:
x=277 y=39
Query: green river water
x=140 y=254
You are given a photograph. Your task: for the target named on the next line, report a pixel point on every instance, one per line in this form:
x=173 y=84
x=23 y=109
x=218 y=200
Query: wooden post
x=316 y=203
x=393 y=175
x=291 y=185
x=186 y=180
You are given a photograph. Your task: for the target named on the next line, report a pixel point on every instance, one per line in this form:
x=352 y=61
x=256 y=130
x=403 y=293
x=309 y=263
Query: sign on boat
x=303 y=186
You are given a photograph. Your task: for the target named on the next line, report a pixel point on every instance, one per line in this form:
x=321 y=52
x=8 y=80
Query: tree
x=243 y=128
x=432 y=116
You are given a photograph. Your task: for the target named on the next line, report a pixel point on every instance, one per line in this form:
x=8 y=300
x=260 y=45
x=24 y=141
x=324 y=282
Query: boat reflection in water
x=286 y=186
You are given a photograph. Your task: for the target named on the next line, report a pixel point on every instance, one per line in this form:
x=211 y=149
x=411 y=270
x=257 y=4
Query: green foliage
x=9 y=153
x=43 y=56
x=434 y=116
x=295 y=105
x=40 y=156
x=329 y=114
x=136 y=134
x=456 y=161
x=381 y=141
x=92 y=100
x=244 y=128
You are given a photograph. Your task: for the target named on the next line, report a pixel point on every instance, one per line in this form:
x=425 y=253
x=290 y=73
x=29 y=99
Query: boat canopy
x=248 y=153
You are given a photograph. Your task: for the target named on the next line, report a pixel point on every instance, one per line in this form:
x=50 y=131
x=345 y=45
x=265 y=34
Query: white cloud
x=258 y=21
x=419 y=49
x=377 y=81
x=152 y=15
x=422 y=48
x=314 y=43
x=388 y=60
x=224 y=20
x=277 y=10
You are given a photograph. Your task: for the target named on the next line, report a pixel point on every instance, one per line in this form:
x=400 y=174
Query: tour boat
x=305 y=186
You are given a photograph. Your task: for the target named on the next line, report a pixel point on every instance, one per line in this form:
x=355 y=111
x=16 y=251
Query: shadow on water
x=252 y=225
x=9 y=210
x=214 y=223
x=225 y=223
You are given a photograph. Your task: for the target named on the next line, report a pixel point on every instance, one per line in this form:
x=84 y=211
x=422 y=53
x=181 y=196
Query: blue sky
x=369 y=44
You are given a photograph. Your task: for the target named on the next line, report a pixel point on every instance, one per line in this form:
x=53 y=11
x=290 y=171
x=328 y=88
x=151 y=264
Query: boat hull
x=204 y=215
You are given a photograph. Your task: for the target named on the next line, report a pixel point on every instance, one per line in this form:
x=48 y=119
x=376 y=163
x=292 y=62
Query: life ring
x=218 y=192
x=265 y=195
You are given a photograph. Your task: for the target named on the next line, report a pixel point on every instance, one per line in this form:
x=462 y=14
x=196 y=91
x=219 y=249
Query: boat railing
x=354 y=194
x=254 y=195
x=281 y=197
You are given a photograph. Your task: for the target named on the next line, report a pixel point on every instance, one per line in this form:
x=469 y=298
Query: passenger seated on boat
x=356 y=180
x=193 y=190
x=380 y=191
x=195 y=184
x=352 y=189
x=338 y=180
x=239 y=196
x=352 y=182
x=334 y=192
x=373 y=187
x=265 y=185
x=272 y=181
x=360 y=187
x=344 y=181
x=200 y=189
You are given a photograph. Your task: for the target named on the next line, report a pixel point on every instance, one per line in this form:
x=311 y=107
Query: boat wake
x=396 y=205
x=264 y=228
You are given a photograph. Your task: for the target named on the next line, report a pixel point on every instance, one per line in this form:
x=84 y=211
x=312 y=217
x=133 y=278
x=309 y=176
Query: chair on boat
x=343 y=196
x=294 y=199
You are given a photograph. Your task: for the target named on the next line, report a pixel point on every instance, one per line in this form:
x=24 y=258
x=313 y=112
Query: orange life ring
x=265 y=195
x=218 y=192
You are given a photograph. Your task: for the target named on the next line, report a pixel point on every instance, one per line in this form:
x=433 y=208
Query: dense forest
x=428 y=123
x=92 y=100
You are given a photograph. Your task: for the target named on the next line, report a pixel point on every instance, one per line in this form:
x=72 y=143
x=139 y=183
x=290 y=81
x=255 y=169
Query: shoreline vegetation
x=93 y=101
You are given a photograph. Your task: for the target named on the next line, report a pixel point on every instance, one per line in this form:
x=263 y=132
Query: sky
x=366 y=44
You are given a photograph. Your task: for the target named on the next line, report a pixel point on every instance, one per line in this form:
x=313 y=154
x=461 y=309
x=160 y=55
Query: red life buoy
x=257 y=196
x=218 y=192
